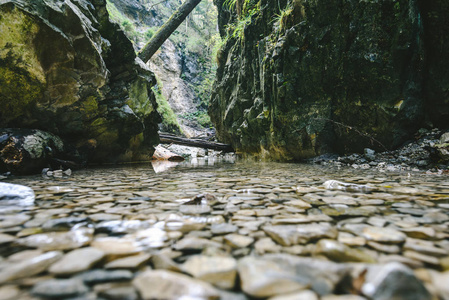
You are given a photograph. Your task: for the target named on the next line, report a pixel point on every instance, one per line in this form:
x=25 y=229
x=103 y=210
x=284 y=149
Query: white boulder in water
x=350 y=187
x=14 y=194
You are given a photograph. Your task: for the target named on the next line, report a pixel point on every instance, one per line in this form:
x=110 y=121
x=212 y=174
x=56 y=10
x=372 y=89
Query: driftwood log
x=171 y=139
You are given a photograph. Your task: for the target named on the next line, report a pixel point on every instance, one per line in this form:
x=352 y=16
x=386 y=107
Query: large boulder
x=301 y=78
x=28 y=151
x=66 y=69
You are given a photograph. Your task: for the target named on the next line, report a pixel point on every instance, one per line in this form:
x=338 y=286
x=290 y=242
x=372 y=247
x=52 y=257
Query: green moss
x=18 y=91
x=98 y=126
x=169 y=119
x=138 y=98
x=149 y=33
x=22 y=79
x=89 y=107
x=108 y=139
x=17 y=31
x=200 y=116
x=127 y=26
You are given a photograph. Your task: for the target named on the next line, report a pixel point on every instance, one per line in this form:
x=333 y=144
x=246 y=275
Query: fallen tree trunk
x=167 y=29
x=171 y=139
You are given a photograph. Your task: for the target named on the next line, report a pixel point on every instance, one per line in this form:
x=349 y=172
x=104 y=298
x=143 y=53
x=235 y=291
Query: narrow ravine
x=326 y=171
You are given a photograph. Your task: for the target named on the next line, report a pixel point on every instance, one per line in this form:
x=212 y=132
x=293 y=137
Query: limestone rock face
x=182 y=64
x=302 y=78
x=66 y=69
x=168 y=67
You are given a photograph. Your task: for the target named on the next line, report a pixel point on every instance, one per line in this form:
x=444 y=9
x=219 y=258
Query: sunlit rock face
x=302 y=78
x=66 y=69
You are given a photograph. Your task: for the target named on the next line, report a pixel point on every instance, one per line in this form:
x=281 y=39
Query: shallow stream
x=123 y=232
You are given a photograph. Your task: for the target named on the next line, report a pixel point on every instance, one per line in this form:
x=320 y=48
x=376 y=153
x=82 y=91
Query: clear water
x=250 y=195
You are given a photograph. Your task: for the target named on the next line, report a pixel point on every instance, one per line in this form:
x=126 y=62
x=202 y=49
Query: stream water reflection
x=99 y=233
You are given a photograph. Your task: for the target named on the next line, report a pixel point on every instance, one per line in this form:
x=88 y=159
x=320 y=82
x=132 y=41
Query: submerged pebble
x=130 y=233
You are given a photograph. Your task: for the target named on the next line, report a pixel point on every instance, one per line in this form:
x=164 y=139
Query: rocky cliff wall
x=183 y=64
x=301 y=78
x=65 y=68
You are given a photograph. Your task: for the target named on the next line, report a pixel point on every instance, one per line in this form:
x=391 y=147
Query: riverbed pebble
x=77 y=261
x=161 y=284
x=273 y=231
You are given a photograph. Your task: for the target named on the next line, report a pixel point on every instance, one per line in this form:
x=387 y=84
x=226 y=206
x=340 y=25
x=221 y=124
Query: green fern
x=229 y=4
x=281 y=18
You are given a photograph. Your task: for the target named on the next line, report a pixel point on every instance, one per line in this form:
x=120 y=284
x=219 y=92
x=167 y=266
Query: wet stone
x=424 y=247
x=378 y=222
x=440 y=282
x=195 y=209
x=300 y=219
x=268 y=216
x=411 y=263
x=77 y=261
x=431 y=260
x=393 y=281
x=342 y=253
x=340 y=200
x=9 y=292
x=14 y=194
x=165 y=262
x=13 y=220
x=419 y=232
x=298 y=204
x=351 y=240
x=238 y=241
x=29 y=267
x=100 y=217
x=121 y=227
x=24 y=255
x=6 y=238
x=177 y=223
x=220 y=271
x=102 y=276
x=338 y=210
x=58 y=240
x=435 y=217
x=343 y=297
x=301 y=295
x=383 y=235
x=194 y=243
x=117 y=291
x=275 y=274
x=393 y=249
x=223 y=228
x=265 y=212
x=130 y=262
x=62 y=223
x=350 y=187
x=59 y=288
x=411 y=211
x=161 y=284
x=261 y=278
x=151 y=237
x=266 y=245
x=114 y=246
x=287 y=235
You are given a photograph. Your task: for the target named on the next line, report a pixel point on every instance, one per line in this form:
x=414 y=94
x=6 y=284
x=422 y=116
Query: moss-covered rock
x=65 y=68
x=301 y=78
x=27 y=151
